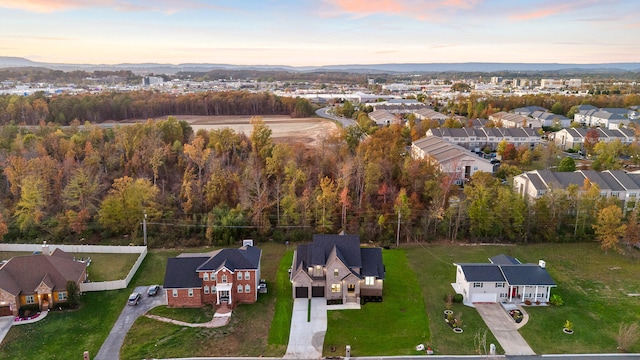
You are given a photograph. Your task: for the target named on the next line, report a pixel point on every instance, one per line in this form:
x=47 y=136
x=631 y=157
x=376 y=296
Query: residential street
x=111 y=347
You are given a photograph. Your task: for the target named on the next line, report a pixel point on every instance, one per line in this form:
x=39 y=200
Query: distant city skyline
x=323 y=32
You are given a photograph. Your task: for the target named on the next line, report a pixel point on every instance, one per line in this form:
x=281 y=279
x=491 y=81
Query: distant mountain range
x=7 y=62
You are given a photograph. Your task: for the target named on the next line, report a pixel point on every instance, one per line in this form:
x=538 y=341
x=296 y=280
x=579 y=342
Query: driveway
x=307 y=338
x=5 y=325
x=111 y=347
x=504 y=329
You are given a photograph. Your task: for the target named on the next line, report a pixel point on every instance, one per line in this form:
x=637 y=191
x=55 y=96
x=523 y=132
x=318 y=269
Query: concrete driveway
x=111 y=347
x=504 y=329
x=5 y=325
x=307 y=338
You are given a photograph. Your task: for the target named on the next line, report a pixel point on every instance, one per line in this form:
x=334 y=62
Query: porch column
x=548 y=292
x=217 y=297
x=510 y=293
x=524 y=292
x=535 y=298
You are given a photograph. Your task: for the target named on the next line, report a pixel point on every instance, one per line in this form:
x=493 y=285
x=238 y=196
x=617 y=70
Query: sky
x=320 y=32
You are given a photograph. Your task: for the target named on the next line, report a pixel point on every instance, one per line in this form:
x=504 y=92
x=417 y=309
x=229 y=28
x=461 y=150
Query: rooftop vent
x=542 y=264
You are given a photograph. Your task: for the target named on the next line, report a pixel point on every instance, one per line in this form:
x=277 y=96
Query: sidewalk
x=218 y=320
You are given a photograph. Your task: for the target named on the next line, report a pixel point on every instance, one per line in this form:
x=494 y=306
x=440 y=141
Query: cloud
x=417 y=9
x=553 y=8
x=48 y=6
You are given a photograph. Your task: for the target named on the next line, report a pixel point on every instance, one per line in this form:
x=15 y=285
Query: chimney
x=542 y=264
x=45 y=249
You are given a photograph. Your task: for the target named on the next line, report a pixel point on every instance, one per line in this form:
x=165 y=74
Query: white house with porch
x=505 y=279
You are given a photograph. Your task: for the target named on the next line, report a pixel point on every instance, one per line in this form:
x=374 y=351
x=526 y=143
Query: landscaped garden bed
x=516 y=315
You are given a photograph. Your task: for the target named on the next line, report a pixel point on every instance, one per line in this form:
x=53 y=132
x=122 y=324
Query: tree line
x=107 y=106
x=214 y=187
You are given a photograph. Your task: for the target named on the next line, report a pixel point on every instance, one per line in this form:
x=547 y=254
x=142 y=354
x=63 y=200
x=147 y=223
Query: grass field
x=393 y=326
x=594 y=286
x=245 y=335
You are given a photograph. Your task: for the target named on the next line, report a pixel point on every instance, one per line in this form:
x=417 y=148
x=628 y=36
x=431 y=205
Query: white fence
x=91 y=286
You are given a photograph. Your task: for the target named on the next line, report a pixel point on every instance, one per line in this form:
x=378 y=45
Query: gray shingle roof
x=482 y=272
x=181 y=272
x=527 y=274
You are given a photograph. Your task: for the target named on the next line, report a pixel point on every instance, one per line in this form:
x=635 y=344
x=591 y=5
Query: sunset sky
x=320 y=32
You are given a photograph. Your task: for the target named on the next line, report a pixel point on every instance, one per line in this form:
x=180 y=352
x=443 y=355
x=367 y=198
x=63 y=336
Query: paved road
x=111 y=347
x=504 y=329
x=342 y=120
x=307 y=338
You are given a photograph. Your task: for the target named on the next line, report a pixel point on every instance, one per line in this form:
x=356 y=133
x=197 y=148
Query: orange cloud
x=550 y=9
x=47 y=6
x=420 y=9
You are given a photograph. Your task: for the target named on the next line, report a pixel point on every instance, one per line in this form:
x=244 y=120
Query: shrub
x=628 y=335
x=457 y=298
x=527 y=302
x=556 y=300
x=568 y=325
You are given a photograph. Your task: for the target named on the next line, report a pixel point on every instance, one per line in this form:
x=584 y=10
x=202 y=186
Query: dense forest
x=63 y=109
x=95 y=185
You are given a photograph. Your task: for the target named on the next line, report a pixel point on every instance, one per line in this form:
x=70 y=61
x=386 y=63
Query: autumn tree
x=30 y=208
x=632 y=230
x=609 y=228
x=123 y=209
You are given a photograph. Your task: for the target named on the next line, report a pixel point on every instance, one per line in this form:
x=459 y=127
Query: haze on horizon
x=323 y=32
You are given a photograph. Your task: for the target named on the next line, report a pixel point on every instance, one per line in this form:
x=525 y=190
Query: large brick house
x=337 y=268
x=38 y=280
x=223 y=277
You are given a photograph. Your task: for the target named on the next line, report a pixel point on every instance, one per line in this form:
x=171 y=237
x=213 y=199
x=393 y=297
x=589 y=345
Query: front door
x=224 y=296
x=514 y=292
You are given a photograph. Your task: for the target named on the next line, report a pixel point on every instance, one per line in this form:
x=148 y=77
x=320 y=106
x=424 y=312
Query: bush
x=457 y=298
x=556 y=300
x=527 y=302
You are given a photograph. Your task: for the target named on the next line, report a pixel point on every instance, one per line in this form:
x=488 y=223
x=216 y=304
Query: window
x=247 y=288
x=29 y=299
x=247 y=275
x=335 y=288
x=213 y=289
x=224 y=279
x=499 y=284
x=175 y=292
x=205 y=276
x=239 y=275
x=317 y=271
x=503 y=295
x=477 y=285
x=336 y=272
x=206 y=289
x=62 y=295
x=190 y=292
x=369 y=280
x=239 y=288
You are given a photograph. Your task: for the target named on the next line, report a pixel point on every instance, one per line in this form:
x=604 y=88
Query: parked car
x=134 y=298
x=262 y=286
x=153 y=290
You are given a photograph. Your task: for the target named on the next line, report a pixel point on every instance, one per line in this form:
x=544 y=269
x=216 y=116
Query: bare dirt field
x=306 y=130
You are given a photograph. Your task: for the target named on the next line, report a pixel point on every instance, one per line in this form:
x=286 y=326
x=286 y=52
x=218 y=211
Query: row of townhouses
x=612 y=183
x=479 y=137
x=573 y=138
x=452 y=159
x=610 y=118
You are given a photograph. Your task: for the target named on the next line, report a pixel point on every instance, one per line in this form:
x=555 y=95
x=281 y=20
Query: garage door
x=5 y=311
x=317 y=291
x=483 y=298
x=302 y=292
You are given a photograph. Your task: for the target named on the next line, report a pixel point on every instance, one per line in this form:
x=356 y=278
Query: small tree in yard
x=73 y=294
x=628 y=335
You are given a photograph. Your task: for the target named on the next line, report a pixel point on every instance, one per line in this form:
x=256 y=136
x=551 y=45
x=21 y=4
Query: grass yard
x=194 y=316
x=392 y=327
x=66 y=334
x=593 y=285
x=281 y=324
x=245 y=335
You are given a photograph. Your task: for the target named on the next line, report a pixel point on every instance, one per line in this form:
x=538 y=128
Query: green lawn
x=194 y=316
x=245 y=335
x=392 y=327
x=594 y=286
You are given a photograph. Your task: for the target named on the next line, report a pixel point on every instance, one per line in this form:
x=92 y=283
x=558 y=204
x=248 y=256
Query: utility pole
x=144 y=228
x=398 y=233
